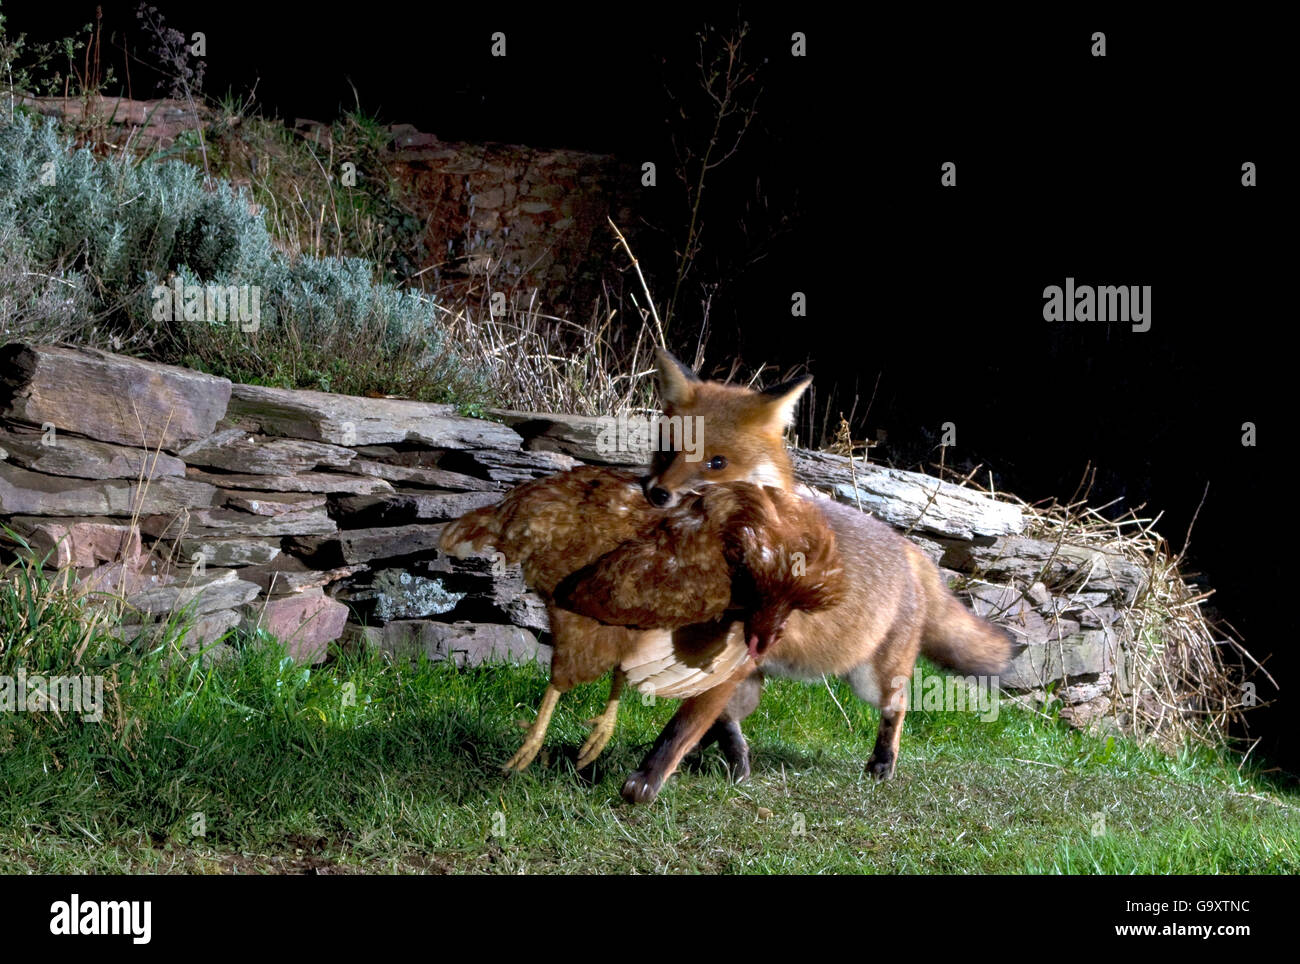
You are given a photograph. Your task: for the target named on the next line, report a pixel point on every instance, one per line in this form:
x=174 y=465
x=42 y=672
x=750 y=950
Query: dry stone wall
x=527 y=221
x=317 y=517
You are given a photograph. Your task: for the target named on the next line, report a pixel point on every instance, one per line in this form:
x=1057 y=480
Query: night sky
x=1122 y=170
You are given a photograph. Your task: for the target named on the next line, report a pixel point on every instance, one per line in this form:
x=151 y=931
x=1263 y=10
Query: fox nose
x=659 y=496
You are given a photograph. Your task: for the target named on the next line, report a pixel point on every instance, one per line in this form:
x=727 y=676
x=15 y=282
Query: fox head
x=740 y=434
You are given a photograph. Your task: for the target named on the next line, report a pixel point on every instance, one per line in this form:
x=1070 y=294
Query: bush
x=106 y=232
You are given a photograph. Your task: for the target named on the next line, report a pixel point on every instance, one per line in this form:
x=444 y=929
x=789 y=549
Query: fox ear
x=676 y=381
x=782 y=400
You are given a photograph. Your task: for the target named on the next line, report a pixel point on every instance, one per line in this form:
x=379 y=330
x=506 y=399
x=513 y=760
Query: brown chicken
x=673 y=600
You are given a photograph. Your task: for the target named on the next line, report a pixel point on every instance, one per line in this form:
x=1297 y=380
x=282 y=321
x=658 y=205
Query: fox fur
x=895 y=607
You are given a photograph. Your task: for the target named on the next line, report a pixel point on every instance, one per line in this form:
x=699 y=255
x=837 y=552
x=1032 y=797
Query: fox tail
x=955 y=637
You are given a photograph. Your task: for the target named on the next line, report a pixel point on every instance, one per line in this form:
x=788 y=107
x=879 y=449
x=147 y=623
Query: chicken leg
x=603 y=725
x=536 y=733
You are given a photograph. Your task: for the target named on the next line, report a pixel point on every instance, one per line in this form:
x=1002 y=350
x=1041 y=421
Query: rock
x=529 y=611
x=33 y=493
x=306 y=622
x=1087 y=653
x=1062 y=567
x=908 y=499
x=201 y=635
x=400 y=594
x=232 y=523
x=235 y=450
x=406 y=505
x=433 y=477
x=120 y=579
x=271 y=503
x=491 y=595
x=229 y=552
x=604 y=440
x=288 y=575
x=85 y=458
x=468 y=644
x=325 y=482
x=510 y=467
x=217 y=589
x=351 y=421
x=82 y=543
x=135 y=402
x=1039 y=595
x=1085 y=690
x=366 y=545
x=1087 y=715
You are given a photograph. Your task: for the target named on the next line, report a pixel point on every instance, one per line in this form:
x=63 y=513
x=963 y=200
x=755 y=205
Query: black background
x=1122 y=170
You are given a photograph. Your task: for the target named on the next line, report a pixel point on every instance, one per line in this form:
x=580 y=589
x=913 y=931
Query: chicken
x=673 y=600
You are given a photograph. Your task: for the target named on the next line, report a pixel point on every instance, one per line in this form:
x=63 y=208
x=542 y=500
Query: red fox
x=895 y=605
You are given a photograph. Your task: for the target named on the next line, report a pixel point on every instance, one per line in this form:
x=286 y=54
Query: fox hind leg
x=890 y=696
x=885 y=755
x=726 y=731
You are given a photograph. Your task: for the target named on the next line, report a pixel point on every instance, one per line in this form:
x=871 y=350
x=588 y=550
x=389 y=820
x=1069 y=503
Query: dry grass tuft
x=1188 y=677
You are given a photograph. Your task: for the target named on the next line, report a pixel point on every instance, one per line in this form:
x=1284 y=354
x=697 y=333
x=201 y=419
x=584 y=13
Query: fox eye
x=718 y=462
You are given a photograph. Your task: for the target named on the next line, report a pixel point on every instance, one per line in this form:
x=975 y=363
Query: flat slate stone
x=603 y=440
x=1084 y=654
x=908 y=499
x=202 y=634
x=23 y=492
x=229 y=552
x=84 y=458
x=216 y=589
x=232 y=523
x=353 y=546
x=235 y=450
x=433 y=477
x=468 y=644
x=1023 y=560
x=325 y=482
x=82 y=543
x=271 y=503
x=349 y=420
x=413 y=505
x=288 y=575
x=134 y=402
x=426 y=458
x=511 y=467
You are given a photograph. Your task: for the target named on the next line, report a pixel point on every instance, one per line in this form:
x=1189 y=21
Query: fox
x=894 y=605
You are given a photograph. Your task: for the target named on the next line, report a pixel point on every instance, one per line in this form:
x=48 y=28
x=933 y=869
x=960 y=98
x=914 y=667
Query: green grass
x=363 y=766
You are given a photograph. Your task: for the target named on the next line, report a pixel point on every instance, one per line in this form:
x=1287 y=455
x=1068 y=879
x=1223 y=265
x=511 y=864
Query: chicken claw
x=536 y=733
x=603 y=725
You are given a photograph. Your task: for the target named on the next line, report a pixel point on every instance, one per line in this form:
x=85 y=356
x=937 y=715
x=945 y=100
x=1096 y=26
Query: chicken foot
x=536 y=733
x=603 y=725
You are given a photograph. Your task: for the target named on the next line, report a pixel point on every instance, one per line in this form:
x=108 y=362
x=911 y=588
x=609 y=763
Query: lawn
x=362 y=766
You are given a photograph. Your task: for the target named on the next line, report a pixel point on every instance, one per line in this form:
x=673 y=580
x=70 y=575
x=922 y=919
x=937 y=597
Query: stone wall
x=317 y=517
x=530 y=223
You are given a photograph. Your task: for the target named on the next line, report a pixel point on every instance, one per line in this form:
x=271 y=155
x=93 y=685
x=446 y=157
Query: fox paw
x=881 y=767
x=641 y=787
x=738 y=766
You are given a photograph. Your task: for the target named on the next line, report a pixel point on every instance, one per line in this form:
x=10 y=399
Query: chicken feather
x=655 y=593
